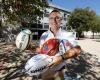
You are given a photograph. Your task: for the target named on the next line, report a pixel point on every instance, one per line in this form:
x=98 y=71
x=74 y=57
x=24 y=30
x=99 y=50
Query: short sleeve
x=42 y=38
x=72 y=40
x=67 y=42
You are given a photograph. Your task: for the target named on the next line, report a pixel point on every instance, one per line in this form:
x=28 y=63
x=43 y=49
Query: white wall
x=89 y=34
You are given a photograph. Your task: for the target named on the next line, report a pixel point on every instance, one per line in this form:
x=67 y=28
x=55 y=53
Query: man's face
x=54 y=21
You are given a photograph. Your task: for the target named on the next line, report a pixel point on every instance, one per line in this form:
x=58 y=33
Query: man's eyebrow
x=56 y=16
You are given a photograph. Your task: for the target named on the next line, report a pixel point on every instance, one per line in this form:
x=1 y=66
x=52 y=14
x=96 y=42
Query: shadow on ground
x=12 y=63
x=84 y=67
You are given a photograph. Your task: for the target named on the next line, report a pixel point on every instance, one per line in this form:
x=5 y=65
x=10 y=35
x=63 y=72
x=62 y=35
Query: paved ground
x=90 y=45
x=11 y=62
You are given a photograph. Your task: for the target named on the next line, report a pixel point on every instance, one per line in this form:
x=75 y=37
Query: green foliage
x=17 y=10
x=97 y=27
x=82 y=19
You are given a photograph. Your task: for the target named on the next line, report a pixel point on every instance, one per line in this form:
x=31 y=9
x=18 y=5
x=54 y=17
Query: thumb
x=51 y=63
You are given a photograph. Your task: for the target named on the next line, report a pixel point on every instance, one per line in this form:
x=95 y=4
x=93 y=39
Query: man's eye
x=54 y=18
x=57 y=17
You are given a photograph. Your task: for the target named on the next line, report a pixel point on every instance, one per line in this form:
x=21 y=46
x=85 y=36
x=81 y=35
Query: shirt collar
x=56 y=33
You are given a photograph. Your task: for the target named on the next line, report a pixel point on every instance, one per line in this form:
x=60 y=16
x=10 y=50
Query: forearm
x=71 y=53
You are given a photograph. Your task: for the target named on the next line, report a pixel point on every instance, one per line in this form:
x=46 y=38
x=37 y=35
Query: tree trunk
x=78 y=37
x=93 y=34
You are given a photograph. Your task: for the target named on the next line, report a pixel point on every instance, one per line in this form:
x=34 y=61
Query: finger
x=51 y=64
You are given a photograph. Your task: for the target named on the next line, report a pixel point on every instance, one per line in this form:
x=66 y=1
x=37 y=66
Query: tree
x=15 y=12
x=21 y=10
x=82 y=20
x=97 y=28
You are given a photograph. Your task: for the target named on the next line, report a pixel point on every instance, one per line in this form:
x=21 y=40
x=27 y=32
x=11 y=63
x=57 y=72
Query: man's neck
x=54 y=31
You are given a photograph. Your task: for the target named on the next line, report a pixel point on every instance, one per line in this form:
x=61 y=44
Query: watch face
x=50 y=47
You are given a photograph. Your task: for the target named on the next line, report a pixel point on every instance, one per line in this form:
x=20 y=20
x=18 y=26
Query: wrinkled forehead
x=54 y=14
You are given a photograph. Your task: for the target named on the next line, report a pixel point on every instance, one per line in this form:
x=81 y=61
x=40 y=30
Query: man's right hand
x=56 y=61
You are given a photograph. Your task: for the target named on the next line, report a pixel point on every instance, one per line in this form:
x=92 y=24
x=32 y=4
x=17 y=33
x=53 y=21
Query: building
x=42 y=24
x=90 y=34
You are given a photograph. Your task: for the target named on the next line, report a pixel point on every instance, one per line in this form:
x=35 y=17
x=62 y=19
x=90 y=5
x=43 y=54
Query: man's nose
x=54 y=20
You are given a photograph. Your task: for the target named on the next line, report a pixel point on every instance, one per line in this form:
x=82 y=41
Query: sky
x=72 y=4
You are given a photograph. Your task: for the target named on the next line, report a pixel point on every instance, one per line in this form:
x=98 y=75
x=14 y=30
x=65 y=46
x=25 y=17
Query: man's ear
x=61 y=18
